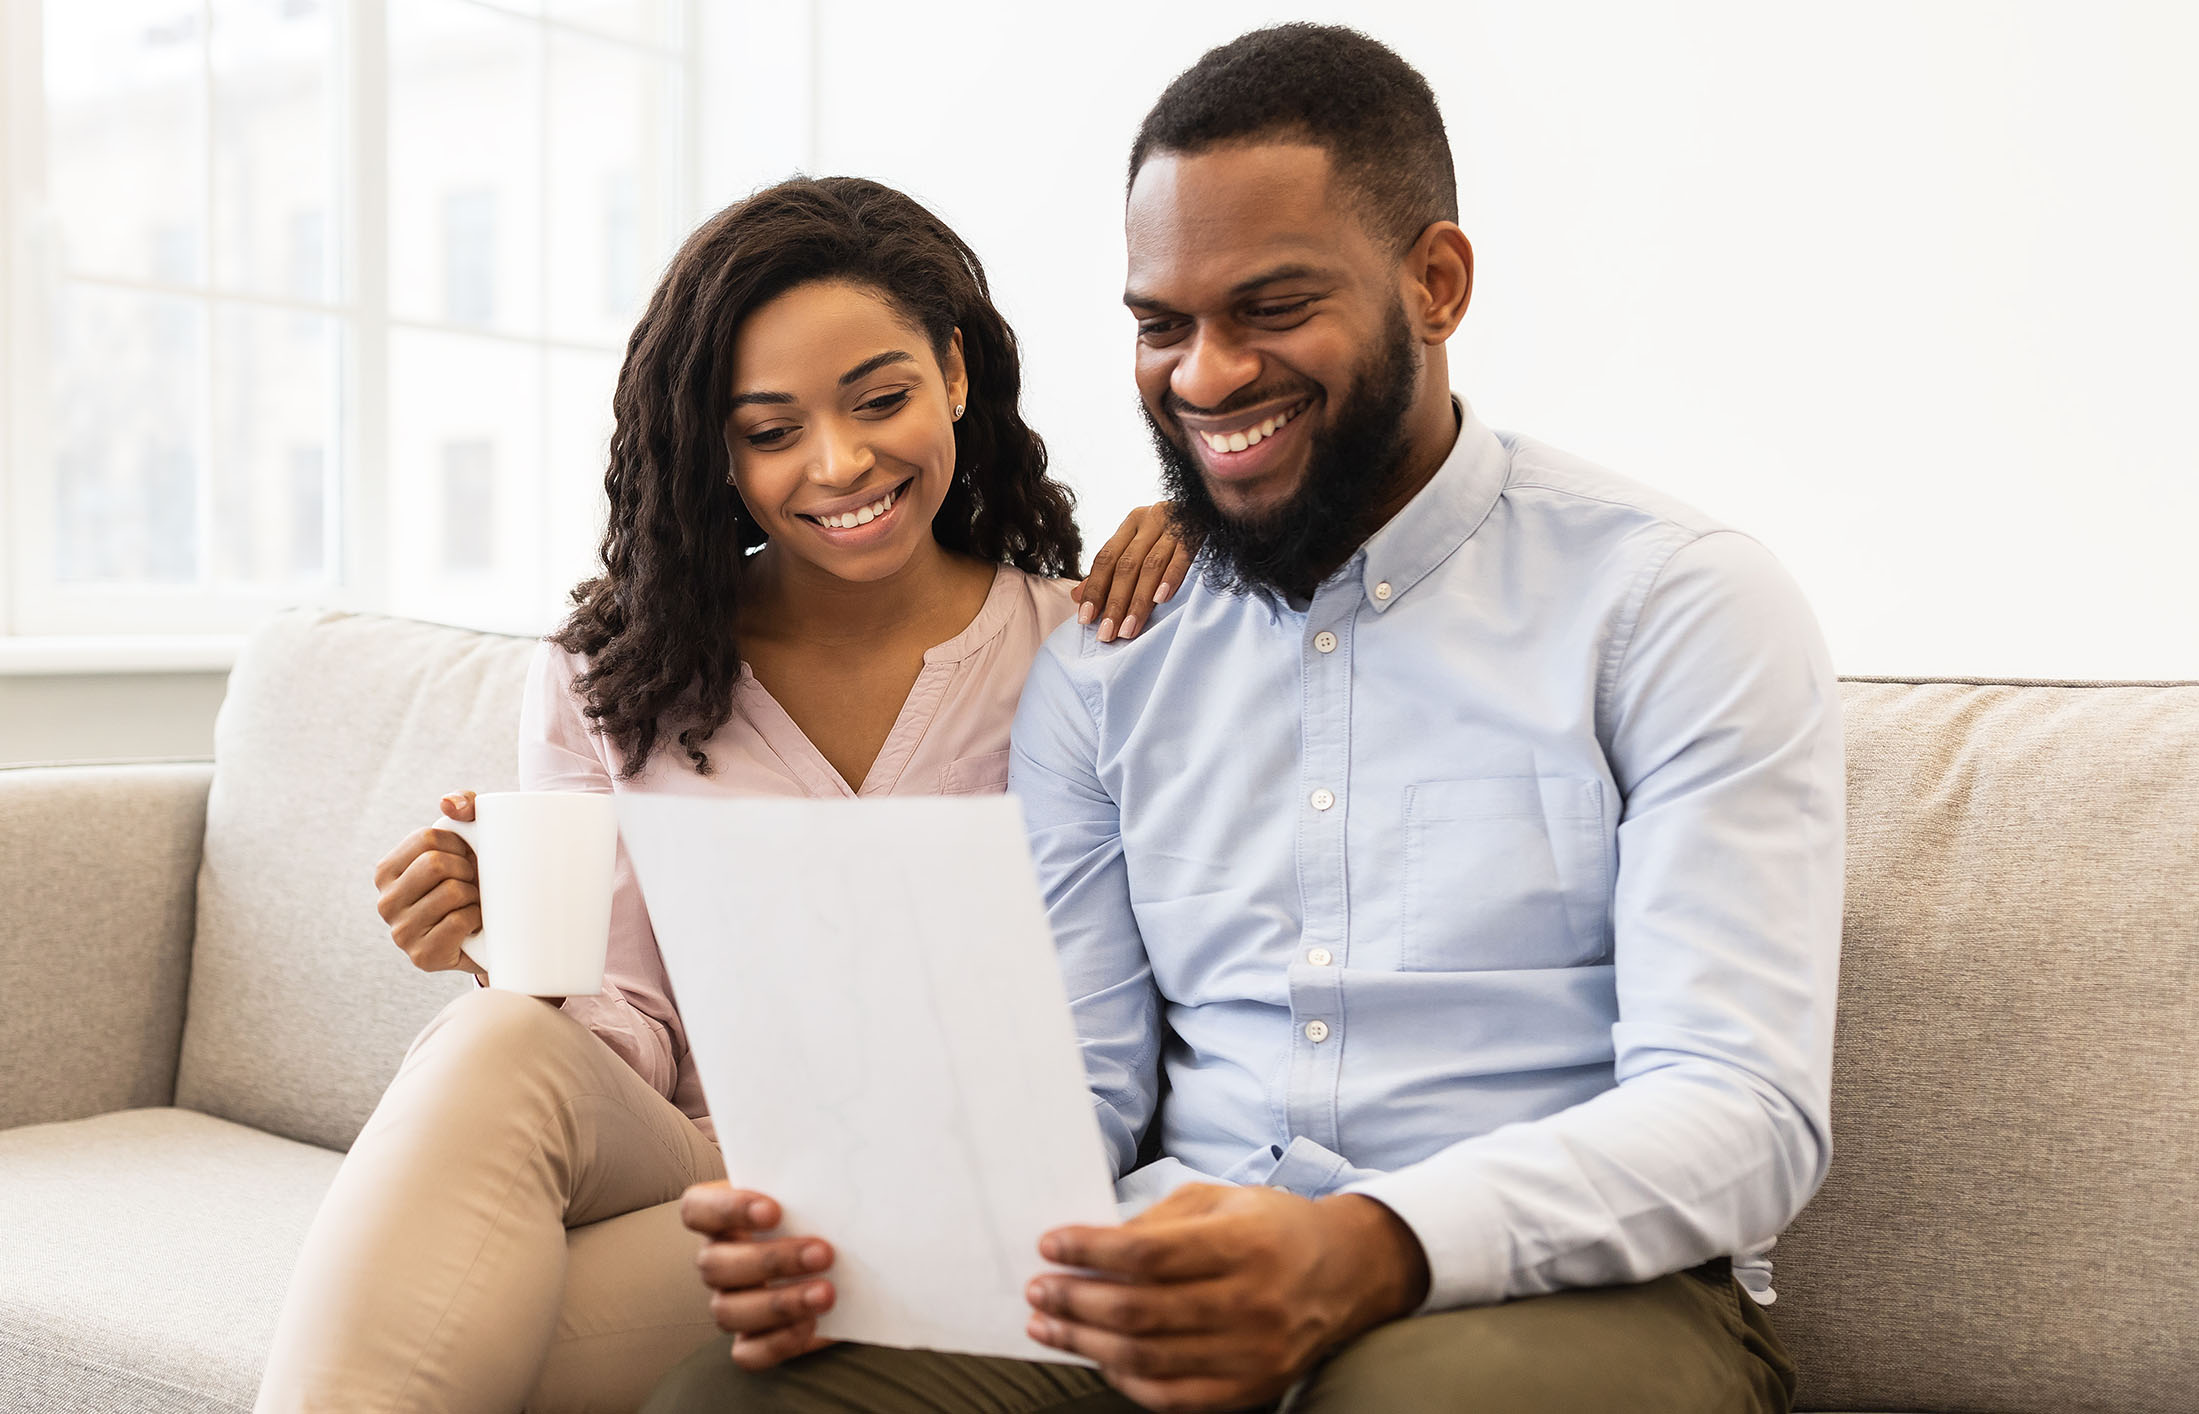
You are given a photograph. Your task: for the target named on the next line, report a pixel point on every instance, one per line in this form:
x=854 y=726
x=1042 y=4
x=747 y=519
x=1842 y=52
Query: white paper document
x=871 y=994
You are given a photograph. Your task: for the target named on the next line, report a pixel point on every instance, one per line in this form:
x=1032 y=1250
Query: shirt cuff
x=1459 y=1221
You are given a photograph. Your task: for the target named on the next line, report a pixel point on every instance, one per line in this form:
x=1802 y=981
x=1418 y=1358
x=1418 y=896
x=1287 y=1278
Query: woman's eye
x=885 y=402
x=770 y=437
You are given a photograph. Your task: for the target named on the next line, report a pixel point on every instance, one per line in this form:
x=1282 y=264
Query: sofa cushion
x=144 y=1259
x=2008 y=1222
x=339 y=734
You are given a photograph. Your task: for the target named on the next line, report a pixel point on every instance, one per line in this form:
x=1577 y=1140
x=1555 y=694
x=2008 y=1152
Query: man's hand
x=758 y=1287
x=1220 y=1297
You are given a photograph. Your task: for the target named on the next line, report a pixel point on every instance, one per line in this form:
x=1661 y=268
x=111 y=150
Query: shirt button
x=1320 y=957
x=1382 y=590
x=1324 y=641
x=1317 y=1031
x=1321 y=799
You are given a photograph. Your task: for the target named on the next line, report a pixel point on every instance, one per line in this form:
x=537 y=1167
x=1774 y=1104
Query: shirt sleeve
x=1722 y=727
x=634 y=1014
x=1076 y=842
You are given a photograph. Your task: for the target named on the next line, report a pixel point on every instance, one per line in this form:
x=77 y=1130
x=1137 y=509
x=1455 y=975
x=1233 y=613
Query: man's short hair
x=1330 y=86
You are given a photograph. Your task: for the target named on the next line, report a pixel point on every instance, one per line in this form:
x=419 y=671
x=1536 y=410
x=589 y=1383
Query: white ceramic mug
x=545 y=860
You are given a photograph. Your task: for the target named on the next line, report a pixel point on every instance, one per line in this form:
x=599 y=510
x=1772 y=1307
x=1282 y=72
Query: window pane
x=465 y=171
x=466 y=482
x=125 y=136
x=611 y=168
x=274 y=442
x=643 y=21
x=128 y=391
x=579 y=451
x=274 y=147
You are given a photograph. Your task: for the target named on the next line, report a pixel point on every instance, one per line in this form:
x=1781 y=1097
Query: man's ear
x=1439 y=281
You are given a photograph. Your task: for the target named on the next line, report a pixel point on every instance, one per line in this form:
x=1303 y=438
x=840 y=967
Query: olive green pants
x=1691 y=1343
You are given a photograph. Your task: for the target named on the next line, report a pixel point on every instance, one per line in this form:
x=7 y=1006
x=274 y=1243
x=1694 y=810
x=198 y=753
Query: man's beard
x=1351 y=466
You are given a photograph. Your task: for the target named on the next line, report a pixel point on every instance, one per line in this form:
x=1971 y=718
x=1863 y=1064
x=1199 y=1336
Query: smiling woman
x=833 y=551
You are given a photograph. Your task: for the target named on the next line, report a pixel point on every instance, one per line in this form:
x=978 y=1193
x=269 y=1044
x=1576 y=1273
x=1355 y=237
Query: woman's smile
x=859 y=523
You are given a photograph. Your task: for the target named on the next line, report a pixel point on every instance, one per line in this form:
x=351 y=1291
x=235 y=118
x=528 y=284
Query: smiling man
x=1447 y=883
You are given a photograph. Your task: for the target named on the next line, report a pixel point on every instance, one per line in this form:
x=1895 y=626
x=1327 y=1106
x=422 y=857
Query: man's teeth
x=861 y=516
x=1250 y=437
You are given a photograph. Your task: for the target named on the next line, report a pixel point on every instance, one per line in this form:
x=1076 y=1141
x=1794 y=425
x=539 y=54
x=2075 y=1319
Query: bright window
x=323 y=299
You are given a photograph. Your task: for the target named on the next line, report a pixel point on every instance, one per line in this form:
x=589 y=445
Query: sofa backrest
x=2011 y=1221
x=338 y=735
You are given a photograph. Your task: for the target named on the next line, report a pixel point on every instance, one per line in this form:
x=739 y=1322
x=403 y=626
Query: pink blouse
x=950 y=739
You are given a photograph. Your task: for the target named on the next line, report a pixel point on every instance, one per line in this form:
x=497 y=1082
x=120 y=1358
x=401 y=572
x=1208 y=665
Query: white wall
x=1909 y=291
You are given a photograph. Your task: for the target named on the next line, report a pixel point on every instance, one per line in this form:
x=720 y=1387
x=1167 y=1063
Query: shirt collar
x=1439 y=518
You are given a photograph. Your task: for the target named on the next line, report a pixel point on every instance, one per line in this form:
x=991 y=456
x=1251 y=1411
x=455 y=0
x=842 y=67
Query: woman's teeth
x=862 y=515
x=1250 y=437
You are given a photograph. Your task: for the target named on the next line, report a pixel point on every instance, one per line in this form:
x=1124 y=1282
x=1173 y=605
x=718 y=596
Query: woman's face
x=842 y=435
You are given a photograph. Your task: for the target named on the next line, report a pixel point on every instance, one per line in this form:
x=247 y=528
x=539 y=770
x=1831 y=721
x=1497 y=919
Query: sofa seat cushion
x=144 y=1258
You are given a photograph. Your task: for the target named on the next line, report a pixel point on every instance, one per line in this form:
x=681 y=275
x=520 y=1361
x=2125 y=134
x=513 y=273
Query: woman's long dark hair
x=657 y=624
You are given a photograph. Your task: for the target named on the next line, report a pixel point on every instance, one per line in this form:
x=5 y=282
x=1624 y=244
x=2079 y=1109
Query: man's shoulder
x=1548 y=480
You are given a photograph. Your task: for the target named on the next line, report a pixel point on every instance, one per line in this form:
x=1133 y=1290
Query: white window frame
x=43 y=622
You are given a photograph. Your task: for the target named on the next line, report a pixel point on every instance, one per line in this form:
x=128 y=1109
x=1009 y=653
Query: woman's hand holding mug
x=431 y=894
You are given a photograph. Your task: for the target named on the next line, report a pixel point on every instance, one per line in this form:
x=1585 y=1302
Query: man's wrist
x=1390 y=1267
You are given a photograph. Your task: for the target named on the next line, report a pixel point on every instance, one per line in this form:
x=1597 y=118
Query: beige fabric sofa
x=201 y=1008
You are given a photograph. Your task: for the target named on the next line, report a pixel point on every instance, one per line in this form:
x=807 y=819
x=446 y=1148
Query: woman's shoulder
x=1044 y=599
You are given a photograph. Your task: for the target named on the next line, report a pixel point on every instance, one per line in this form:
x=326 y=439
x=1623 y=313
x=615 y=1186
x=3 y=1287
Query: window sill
x=55 y=655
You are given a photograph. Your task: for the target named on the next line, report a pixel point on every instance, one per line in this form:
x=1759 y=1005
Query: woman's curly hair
x=656 y=625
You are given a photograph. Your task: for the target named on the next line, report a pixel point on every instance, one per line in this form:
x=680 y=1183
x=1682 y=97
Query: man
x=1448 y=883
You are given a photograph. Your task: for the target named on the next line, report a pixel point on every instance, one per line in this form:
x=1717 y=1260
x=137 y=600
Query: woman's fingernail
x=1086 y=611
x=1130 y=627
x=1107 y=631
x=1160 y=595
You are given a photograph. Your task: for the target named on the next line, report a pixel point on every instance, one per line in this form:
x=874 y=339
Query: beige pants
x=505 y=1233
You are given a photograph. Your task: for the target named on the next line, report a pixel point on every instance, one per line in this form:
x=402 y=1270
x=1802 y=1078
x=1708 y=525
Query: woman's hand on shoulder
x=430 y=894
x=1141 y=565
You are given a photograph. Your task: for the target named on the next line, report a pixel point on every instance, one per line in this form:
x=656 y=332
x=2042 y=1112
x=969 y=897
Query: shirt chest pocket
x=1504 y=872
x=976 y=775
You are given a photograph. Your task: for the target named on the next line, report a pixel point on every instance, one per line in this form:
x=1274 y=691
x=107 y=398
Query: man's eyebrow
x=1135 y=299
x=854 y=375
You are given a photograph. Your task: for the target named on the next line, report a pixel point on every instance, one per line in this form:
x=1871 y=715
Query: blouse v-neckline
x=800 y=755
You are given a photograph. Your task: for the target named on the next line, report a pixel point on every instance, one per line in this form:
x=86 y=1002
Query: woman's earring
x=958 y=412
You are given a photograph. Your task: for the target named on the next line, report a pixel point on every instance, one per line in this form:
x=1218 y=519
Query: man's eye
x=1158 y=330
x=1279 y=311
x=886 y=402
x=770 y=437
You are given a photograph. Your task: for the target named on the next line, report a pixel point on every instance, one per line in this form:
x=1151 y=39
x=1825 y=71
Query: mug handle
x=477 y=946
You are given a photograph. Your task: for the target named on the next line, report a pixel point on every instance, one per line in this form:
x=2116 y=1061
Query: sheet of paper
x=878 y=1019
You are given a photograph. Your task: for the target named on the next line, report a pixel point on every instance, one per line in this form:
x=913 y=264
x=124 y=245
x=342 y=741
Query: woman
x=831 y=557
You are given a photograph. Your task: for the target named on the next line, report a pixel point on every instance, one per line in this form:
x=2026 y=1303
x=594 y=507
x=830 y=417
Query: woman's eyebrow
x=872 y=364
x=854 y=375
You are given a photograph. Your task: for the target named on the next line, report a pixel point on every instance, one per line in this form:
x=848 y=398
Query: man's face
x=1274 y=358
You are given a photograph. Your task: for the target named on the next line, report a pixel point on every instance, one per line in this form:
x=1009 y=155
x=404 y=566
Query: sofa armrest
x=98 y=886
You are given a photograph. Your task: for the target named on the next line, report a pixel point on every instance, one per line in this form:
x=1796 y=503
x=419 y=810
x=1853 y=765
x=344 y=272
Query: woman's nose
x=844 y=456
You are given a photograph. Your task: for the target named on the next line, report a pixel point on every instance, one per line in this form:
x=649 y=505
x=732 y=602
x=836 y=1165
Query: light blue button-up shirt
x=1501 y=882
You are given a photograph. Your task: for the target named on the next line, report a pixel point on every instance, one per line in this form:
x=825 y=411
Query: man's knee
x=1662 y=1345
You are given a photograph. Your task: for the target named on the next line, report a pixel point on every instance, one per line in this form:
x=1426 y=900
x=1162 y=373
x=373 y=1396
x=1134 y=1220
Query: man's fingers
x=761 y=1352
x=718 y=1209
x=1150 y=1357
x=1164 y=1251
x=732 y=1265
x=1134 y=1308
x=764 y=1309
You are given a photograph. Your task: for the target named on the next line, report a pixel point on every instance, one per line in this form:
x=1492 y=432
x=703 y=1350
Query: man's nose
x=1210 y=369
